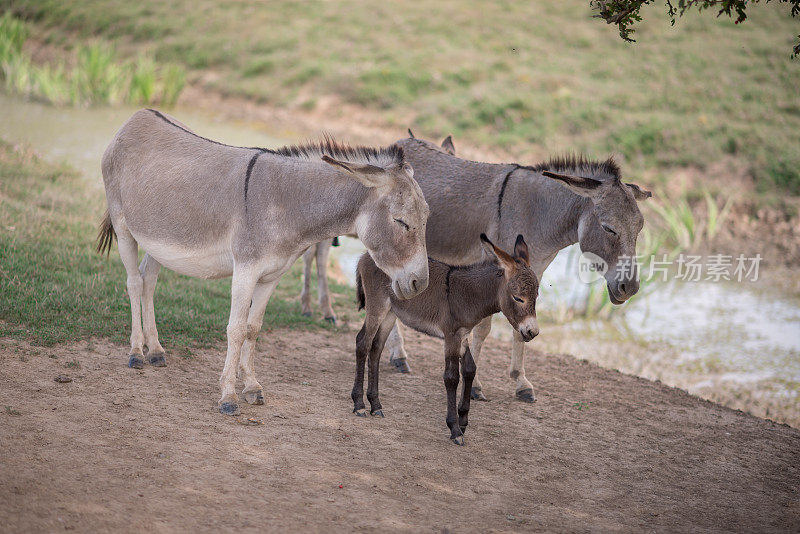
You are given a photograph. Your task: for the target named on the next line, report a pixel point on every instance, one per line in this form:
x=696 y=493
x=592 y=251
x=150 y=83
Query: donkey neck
x=472 y=291
x=543 y=207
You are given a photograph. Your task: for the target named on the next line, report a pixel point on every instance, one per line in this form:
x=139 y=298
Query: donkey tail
x=106 y=235
x=361 y=299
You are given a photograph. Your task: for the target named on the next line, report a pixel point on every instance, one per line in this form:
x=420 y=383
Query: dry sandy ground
x=124 y=450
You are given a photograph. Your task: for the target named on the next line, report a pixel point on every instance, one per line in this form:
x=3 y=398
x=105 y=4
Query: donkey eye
x=518 y=299
x=608 y=229
x=402 y=223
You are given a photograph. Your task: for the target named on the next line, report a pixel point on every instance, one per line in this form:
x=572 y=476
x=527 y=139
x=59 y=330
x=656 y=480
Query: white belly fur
x=215 y=261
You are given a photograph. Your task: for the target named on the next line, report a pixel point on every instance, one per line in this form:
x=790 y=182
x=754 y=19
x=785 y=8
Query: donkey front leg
x=242 y=287
x=323 y=250
x=524 y=389
x=452 y=355
x=397 y=352
x=374 y=364
x=149 y=269
x=252 y=392
x=479 y=335
x=468 y=369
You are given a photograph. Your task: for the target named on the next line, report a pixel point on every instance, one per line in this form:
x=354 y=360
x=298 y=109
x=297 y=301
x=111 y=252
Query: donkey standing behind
x=457 y=298
x=210 y=210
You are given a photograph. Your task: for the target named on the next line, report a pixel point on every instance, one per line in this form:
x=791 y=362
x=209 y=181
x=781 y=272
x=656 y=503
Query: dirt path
x=124 y=450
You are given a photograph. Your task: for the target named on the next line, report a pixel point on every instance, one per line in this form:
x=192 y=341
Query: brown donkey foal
x=457 y=298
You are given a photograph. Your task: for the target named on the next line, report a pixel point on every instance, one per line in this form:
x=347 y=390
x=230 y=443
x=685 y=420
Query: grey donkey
x=210 y=210
x=457 y=299
x=555 y=203
x=320 y=252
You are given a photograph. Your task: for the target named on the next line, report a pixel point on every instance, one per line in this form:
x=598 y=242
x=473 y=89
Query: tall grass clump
x=98 y=76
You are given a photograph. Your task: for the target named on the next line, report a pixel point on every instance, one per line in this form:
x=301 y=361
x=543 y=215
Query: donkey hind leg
x=452 y=355
x=322 y=252
x=242 y=287
x=364 y=341
x=524 y=389
x=149 y=269
x=468 y=369
x=252 y=392
x=397 y=352
x=305 y=295
x=128 y=251
x=374 y=364
x=479 y=335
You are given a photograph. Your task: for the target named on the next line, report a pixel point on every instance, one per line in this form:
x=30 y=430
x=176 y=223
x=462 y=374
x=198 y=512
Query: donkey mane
x=579 y=162
x=313 y=150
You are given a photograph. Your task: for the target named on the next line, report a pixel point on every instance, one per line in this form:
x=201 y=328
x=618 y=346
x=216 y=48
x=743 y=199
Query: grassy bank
x=529 y=77
x=55 y=288
x=93 y=75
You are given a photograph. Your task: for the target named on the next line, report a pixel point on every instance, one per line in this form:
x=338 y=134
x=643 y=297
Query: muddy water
x=737 y=343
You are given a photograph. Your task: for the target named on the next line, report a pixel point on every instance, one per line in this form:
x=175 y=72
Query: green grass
x=531 y=78
x=97 y=76
x=56 y=289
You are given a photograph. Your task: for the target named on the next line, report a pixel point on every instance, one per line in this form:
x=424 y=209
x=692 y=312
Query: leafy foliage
x=625 y=13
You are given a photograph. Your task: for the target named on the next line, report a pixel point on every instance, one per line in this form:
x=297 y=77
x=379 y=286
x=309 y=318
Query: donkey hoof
x=477 y=394
x=360 y=412
x=254 y=397
x=526 y=395
x=306 y=314
x=377 y=413
x=229 y=408
x=458 y=440
x=157 y=359
x=401 y=364
x=331 y=320
x=135 y=362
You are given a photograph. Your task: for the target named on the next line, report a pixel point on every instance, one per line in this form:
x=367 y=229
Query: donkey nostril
x=622 y=287
x=414 y=284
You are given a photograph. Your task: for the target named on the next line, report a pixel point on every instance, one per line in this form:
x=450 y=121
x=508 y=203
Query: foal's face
x=520 y=287
x=394 y=232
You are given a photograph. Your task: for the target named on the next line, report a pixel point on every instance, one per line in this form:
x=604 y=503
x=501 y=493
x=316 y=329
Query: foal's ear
x=585 y=187
x=639 y=193
x=521 y=250
x=369 y=175
x=448 y=146
x=499 y=255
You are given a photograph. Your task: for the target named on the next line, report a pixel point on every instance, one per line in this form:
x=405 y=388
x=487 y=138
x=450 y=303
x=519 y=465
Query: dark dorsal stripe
x=249 y=172
x=503 y=192
x=178 y=126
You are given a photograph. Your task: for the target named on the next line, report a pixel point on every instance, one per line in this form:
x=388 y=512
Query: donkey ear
x=639 y=193
x=499 y=255
x=585 y=187
x=521 y=250
x=448 y=146
x=369 y=175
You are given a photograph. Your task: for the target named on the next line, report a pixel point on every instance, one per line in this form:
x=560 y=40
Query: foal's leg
x=524 y=389
x=253 y=393
x=149 y=270
x=244 y=282
x=323 y=250
x=397 y=352
x=128 y=251
x=479 y=335
x=374 y=364
x=468 y=369
x=305 y=295
x=376 y=312
x=452 y=354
